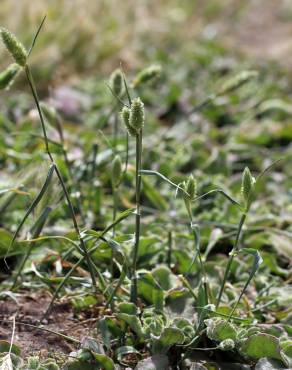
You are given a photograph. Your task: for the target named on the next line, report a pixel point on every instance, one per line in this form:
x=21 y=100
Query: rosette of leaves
x=91 y=356
x=155 y=328
x=251 y=343
x=34 y=363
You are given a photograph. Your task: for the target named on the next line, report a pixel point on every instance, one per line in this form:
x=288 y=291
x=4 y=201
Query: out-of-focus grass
x=91 y=36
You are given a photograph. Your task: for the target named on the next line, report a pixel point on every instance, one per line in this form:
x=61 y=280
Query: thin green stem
x=70 y=205
x=115 y=207
x=196 y=236
x=36 y=36
x=71 y=177
x=36 y=99
x=231 y=257
x=127 y=155
x=134 y=286
x=170 y=245
x=119 y=283
x=76 y=227
x=116 y=132
x=70 y=339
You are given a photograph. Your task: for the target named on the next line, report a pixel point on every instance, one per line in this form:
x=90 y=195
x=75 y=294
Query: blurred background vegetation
x=87 y=37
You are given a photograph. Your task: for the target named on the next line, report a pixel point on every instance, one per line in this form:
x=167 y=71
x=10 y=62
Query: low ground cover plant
x=170 y=235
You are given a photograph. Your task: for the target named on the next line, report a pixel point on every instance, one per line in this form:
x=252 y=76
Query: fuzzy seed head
x=125 y=114
x=237 y=81
x=227 y=345
x=116 y=82
x=116 y=171
x=190 y=187
x=247 y=184
x=15 y=47
x=8 y=75
x=147 y=74
x=137 y=114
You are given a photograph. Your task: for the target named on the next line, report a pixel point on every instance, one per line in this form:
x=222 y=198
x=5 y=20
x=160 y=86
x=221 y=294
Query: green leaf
x=185 y=325
x=271 y=262
x=261 y=345
x=168 y=338
x=153 y=195
x=5 y=241
x=257 y=260
x=150 y=290
x=78 y=365
x=128 y=308
x=104 y=361
x=220 y=330
x=286 y=346
x=163 y=276
x=104 y=332
x=33 y=205
x=92 y=352
x=5 y=347
x=133 y=322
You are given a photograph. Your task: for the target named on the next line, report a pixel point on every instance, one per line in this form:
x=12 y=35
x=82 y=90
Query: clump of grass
x=20 y=55
x=154 y=326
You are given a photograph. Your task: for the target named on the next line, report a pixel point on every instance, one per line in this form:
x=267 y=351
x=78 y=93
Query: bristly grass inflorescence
x=8 y=75
x=137 y=115
x=14 y=46
x=116 y=82
x=148 y=74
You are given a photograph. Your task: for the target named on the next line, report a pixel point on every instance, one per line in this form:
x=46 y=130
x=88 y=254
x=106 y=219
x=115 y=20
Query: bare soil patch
x=63 y=319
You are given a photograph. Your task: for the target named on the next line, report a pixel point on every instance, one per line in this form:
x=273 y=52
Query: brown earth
x=30 y=309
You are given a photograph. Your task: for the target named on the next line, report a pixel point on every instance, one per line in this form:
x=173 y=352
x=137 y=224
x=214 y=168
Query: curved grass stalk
x=178 y=187
x=63 y=282
x=231 y=257
x=235 y=248
x=70 y=339
x=67 y=163
x=99 y=236
x=38 y=226
x=119 y=283
x=31 y=208
x=60 y=178
x=196 y=236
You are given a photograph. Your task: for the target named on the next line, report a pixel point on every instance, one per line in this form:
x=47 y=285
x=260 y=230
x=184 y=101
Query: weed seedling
x=247 y=186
